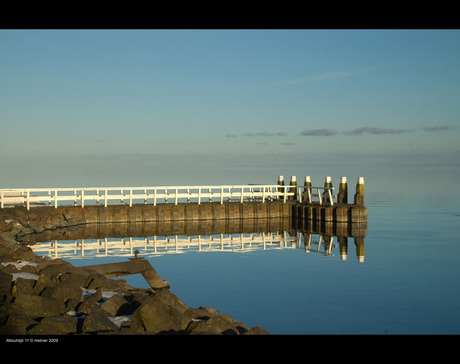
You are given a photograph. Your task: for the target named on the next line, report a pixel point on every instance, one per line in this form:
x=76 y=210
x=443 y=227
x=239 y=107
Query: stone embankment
x=43 y=296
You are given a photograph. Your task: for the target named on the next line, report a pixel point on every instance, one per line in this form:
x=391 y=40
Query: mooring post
x=307 y=190
x=293 y=188
x=326 y=194
x=280 y=183
x=342 y=197
x=359 y=195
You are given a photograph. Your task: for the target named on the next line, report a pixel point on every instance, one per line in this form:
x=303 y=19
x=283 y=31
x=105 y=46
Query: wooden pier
x=180 y=203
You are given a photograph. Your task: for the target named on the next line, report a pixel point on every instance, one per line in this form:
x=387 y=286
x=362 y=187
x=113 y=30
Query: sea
x=402 y=278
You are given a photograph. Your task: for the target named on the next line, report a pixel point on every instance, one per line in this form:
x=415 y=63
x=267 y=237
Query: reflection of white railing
x=102 y=195
x=179 y=194
x=160 y=245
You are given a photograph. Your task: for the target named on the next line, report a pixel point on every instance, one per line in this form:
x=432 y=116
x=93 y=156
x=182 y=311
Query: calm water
x=408 y=283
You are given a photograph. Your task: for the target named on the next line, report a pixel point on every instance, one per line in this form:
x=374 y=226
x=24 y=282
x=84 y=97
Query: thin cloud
x=433 y=129
x=258 y=134
x=374 y=131
x=319 y=132
x=288 y=143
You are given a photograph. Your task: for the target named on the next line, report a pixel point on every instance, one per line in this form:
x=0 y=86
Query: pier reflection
x=239 y=236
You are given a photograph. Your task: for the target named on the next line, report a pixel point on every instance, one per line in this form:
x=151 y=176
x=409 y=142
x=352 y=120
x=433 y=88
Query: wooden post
x=293 y=188
x=307 y=189
x=280 y=183
x=342 y=197
x=359 y=195
x=326 y=194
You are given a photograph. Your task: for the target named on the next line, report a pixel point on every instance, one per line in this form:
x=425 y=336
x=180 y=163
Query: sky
x=185 y=107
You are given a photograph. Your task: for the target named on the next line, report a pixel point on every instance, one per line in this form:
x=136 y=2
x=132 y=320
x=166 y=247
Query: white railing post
x=1 y=199
x=221 y=195
x=130 y=197
x=105 y=197
x=330 y=197
x=199 y=195
x=55 y=199
x=82 y=198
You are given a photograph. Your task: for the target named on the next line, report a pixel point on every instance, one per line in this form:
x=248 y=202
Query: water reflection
x=154 y=239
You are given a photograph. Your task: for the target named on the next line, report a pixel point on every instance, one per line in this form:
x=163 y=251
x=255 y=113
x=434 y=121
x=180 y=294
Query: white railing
x=324 y=194
x=179 y=194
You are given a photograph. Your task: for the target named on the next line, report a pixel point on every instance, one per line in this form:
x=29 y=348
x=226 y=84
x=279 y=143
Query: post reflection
x=152 y=239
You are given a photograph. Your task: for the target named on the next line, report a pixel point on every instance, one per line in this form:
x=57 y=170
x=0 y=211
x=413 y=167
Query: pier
x=179 y=203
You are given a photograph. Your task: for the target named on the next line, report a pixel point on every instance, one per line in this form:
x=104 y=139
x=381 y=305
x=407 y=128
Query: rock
x=154 y=317
x=170 y=300
x=88 y=308
x=97 y=322
x=77 y=277
x=256 y=331
x=94 y=297
x=5 y=286
x=51 y=274
x=216 y=325
x=62 y=292
x=38 y=306
x=66 y=324
x=97 y=280
x=42 y=329
x=22 y=286
x=18 y=324
x=116 y=306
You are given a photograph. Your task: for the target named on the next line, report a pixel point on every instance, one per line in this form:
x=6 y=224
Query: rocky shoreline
x=43 y=296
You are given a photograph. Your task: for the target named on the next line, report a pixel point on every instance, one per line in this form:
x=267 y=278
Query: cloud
x=374 y=131
x=432 y=129
x=263 y=133
x=319 y=132
x=257 y=134
x=230 y=135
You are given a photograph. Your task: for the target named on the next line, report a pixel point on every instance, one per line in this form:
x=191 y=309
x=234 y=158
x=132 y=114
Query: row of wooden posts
x=327 y=197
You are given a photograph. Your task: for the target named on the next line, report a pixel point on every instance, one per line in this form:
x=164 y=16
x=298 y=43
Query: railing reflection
x=102 y=241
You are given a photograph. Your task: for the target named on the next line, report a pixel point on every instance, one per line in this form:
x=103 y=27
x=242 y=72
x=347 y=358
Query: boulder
x=42 y=329
x=18 y=323
x=216 y=325
x=88 y=308
x=62 y=292
x=65 y=323
x=98 y=323
x=37 y=306
x=154 y=317
x=51 y=274
x=22 y=286
x=116 y=306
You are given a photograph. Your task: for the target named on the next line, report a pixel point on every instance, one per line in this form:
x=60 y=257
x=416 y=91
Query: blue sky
x=114 y=107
